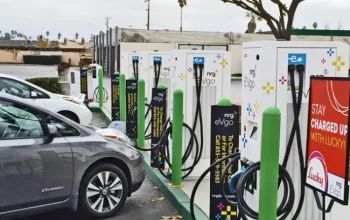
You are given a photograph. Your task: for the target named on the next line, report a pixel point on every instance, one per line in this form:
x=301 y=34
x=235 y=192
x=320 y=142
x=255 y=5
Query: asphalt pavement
x=146 y=204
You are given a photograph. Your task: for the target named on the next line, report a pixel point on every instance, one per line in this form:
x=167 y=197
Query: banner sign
x=131 y=104
x=115 y=97
x=159 y=104
x=327 y=153
x=83 y=82
x=224 y=141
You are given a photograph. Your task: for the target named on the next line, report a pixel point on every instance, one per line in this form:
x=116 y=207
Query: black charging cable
x=163 y=145
x=135 y=67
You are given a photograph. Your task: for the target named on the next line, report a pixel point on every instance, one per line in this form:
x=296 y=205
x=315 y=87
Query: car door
x=33 y=171
x=22 y=90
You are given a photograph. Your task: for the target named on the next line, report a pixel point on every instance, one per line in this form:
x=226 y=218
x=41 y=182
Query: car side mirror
x=52 y=133
x=33 y=94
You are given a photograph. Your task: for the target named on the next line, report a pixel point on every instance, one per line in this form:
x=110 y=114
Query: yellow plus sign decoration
x=182 y=76
x=228 y=213
x=338 y=63
x=268 y=88
x=146 y=69
x=256 y=106
x=223 y=63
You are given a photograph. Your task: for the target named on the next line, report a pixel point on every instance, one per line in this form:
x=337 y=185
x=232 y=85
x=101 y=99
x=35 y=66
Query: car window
x=15 y=88
x=40 y=94
x=63 y=128
x=18 y=121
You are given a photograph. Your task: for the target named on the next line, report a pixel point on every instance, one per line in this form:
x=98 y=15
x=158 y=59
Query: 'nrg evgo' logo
x=226 y=121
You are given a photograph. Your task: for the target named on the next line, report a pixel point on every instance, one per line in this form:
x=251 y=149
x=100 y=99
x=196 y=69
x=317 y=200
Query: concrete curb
x=175 y=196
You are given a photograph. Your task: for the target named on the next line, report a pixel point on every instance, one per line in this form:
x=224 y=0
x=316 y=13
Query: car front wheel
x=103 y=191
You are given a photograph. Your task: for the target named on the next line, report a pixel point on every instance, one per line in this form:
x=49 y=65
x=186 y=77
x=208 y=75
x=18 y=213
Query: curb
x=175 y=196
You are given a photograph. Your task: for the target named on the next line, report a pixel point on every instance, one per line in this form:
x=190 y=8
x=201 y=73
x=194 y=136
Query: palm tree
x=182 y=3
x=76 y=36
x=304 y=28
x=252 y=25
x=315 y=25
x=47 y=34
x=12 y=32
x=59 y=36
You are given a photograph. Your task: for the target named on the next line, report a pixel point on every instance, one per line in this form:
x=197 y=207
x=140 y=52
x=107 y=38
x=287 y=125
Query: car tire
x=71 y=116
x=100 y=199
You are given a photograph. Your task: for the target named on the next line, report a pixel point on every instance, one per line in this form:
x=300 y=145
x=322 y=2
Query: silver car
x=49 y=162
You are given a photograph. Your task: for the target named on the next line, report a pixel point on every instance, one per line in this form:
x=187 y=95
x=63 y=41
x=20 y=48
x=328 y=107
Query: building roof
x=22 y=43
x=316 y=32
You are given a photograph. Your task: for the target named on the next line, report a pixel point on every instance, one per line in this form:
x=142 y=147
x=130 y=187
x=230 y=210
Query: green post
x=122 y=100
x=141 y=113
x=224 y=102
x=100 y=88
x=270 y=141
x=176 y=176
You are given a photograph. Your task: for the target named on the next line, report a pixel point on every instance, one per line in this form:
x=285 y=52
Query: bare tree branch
x=280 y=5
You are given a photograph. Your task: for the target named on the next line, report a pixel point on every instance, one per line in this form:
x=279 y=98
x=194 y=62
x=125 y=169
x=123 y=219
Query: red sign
x=327 y=156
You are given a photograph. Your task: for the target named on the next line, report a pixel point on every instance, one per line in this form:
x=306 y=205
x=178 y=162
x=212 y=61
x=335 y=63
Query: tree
x=340 y=25
x=315 y=25
x=252 y=25
x=326 y=26
x=182 y=3
x=12 y=32
x=280 y=27
x=59 y=36
x=76 y=36
x=304 y=28
x=47 y=34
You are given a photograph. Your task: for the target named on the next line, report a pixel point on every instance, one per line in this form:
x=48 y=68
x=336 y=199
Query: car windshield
x=14 y=88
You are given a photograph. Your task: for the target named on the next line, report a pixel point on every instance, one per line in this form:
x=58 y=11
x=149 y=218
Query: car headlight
x=115 y=134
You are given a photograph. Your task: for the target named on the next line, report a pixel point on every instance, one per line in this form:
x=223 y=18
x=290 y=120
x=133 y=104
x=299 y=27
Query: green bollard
x=122 y=100
x=176 y=176
x=100 y=88
x=161 y=86
x=141 y=113
x=270 y=141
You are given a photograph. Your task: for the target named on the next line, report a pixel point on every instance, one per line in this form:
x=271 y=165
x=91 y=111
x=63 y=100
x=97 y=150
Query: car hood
x=76 y=99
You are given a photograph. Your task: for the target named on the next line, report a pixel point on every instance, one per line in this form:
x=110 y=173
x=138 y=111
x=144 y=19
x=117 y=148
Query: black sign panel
x=115 y=97
x=83 y=82
x=224 y=141
x=131 y=104
x=159 y=113
x=94 y=72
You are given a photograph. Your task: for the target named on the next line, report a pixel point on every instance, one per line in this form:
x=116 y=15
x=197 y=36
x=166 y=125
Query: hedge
x=49 y=83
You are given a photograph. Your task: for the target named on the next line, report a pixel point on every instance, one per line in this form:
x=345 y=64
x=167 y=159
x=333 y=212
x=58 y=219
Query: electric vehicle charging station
x=93 y=83
x=74 y=81
x=215 y=68
x=271 y=71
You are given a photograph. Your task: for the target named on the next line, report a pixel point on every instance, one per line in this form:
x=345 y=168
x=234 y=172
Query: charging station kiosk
x=160 y=63
x=216 y=84
x=93 y=83
x=73 y=77
x=267 y=70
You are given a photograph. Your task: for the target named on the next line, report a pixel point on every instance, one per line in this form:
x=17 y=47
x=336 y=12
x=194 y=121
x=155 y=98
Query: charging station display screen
x=131 y=104
x=224 y=141
x=159 y=114
x=115 y=97
x=83 y=82
x=327 y=159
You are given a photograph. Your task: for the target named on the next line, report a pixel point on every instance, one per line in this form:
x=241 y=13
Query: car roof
x=23 y=101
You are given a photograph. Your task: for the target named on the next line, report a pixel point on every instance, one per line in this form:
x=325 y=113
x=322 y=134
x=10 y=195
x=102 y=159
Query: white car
x=70 y=107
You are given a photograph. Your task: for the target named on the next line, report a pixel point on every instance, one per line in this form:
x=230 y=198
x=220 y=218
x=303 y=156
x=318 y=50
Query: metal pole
x=116 y=44
x=103 y=51
x=269 y=165
x=148 y=13
x=176 y=176
x=94 y=53
x=141 y=113
x=110 y=61
x=107 y=52
x=100 y=88
x=122 y=95
x=97 y=50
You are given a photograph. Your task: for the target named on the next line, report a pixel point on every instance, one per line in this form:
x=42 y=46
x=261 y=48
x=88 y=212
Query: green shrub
x=49 y=83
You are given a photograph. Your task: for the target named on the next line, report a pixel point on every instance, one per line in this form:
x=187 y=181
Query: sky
x=86 y=17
